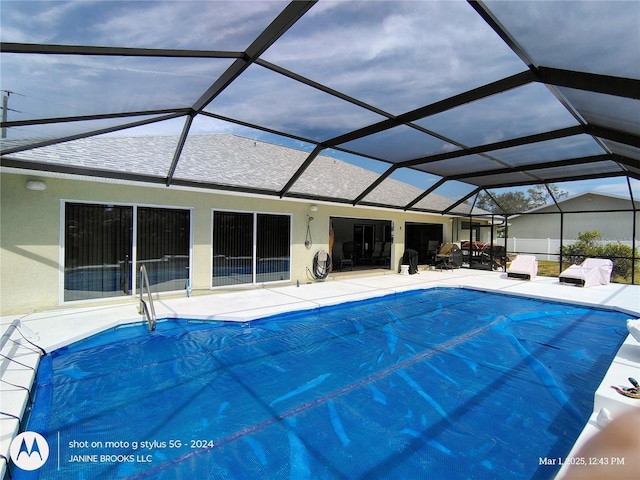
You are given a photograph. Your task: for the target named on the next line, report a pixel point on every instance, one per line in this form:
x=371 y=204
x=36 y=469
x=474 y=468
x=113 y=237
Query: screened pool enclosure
x=463 y=101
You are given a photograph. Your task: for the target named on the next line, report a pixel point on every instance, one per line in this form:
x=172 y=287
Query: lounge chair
x=523 y=266
x=593 y=271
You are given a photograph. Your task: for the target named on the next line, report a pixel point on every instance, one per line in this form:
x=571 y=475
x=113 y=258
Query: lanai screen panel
x=606 y=110
x=402 y=188
x=586 y=36
x=227 y=25
x=461 y=165
x=116 y=155
x=233 y=161
x=630 y=152
x=77 y=85
x=398 y=144
x=262 y=97
x=558 y=149
x=395 y=56
x=35 y=135
x=492 y=119
x=327 y=177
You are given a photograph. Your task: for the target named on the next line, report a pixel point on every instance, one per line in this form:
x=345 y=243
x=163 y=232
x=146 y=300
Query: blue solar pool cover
x=442 y=383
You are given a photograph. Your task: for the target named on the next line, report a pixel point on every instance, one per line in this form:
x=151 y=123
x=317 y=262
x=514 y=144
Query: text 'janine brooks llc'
x=122 y=451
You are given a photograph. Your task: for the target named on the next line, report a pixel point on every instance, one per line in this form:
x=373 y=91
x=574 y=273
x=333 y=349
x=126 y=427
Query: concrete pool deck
x=56 y=328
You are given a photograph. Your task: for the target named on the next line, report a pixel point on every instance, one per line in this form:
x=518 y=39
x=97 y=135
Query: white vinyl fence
x=543 y=248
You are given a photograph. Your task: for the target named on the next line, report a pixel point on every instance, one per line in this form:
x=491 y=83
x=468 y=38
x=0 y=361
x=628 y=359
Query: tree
x=517 y=201
x=539 y=195
x=508 y=202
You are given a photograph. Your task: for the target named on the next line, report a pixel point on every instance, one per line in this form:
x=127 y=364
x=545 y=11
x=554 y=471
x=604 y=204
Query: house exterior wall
x=613 y=226
x=31 y=233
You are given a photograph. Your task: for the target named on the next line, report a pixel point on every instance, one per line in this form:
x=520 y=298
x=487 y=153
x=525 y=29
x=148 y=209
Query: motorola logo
x=29 y=451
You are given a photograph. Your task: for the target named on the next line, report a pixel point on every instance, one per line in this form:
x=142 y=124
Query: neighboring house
x=612 y=216
x=73 y=239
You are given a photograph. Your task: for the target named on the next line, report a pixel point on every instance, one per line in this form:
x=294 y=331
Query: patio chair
x=347 y=249
x=432 y=250
x=449 y=256
x=593 y=271
x=385 y=257
x=524 y=267
x=338 y=257
x=376 y=256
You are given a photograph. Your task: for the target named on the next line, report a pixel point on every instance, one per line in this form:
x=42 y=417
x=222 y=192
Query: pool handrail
x=147 y=310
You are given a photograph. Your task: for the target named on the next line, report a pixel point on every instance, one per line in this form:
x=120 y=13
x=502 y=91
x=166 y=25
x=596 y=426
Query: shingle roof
x=228 y=160
x=624 y=203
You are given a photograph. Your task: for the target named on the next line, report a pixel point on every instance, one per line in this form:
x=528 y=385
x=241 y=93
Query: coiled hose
x=321 y=265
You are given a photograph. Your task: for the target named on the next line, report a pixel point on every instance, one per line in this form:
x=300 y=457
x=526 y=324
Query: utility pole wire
x=5 y=109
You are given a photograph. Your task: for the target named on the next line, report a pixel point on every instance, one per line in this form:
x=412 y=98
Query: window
x=99 y=249
x=250 y=248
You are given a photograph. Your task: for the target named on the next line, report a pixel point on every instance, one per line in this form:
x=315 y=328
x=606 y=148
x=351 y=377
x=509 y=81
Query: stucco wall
x=30 y=231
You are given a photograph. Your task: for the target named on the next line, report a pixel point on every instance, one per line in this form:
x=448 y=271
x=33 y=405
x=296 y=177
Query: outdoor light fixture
x=36 y=185
x=313 y=208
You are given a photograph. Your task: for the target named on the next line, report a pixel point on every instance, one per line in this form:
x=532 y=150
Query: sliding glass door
x=99 y=249
x=232 y=248
x=273 y=246
x=250 y=248
x=163 y=247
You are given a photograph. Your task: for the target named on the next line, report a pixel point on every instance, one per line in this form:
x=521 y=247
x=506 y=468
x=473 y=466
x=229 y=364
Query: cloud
x=62 y=85
x=208 y=25
x=395 y=55
x=589 y=36
x=36 y=22
x=260 y=96
x=612 y=186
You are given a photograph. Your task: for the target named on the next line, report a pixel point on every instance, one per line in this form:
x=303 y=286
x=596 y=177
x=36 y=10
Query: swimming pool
x=439 y=383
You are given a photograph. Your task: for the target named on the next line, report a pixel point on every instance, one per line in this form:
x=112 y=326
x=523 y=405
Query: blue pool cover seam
x=325 y=398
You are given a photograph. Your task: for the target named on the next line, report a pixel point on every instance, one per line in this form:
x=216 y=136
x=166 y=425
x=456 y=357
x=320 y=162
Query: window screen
x=163 y=236
x=97 y=251
x=243 y=254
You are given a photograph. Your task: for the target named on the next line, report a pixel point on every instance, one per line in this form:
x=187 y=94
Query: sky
x=393 y=55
